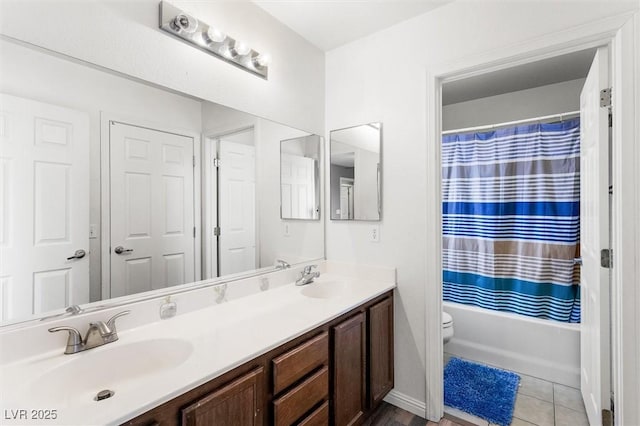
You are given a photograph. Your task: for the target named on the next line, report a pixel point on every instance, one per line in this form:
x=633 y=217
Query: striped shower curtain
x=511 y=219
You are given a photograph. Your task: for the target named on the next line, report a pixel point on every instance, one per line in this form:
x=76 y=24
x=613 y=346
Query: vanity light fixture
x=212 y=40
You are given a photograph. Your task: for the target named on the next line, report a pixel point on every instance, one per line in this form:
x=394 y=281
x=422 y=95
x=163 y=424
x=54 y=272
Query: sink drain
x=104 y=394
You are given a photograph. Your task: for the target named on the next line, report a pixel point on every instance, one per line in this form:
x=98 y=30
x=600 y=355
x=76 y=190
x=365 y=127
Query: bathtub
x=540 y=348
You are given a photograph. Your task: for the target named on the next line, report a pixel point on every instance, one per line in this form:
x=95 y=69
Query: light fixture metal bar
x=225 y=50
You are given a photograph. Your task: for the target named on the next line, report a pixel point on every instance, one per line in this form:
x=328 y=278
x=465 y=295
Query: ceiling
x=535 y=74
x=328 y=24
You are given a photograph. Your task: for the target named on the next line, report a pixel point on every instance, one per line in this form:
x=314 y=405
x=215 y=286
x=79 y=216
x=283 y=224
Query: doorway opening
x=525 y=177
x=229 y=198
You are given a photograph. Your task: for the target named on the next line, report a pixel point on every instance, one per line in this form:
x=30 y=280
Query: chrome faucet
x=281 y=264
x=307 y=276
x=98 y=334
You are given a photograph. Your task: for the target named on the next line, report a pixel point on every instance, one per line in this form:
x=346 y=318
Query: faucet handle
x=281 y=264
x=309 y=268
x=111 y=323
x=74 y=341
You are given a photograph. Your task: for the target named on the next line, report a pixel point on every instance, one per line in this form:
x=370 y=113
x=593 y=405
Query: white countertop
x=213 y=340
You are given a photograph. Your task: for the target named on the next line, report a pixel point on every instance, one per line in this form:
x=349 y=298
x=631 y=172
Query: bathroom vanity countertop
x=212 y=341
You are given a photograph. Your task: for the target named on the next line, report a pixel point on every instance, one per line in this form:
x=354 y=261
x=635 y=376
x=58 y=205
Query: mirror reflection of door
x=356 y=154
x=237 y=203
x=298 y=186
x=299 y=178
x=44 y=217
x=152 y=213
x=346 y=198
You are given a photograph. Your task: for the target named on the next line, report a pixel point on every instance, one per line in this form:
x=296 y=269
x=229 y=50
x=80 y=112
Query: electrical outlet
x=374 y=234
x=285 y=229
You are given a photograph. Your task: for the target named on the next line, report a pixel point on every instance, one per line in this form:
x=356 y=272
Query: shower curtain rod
x=511 y=123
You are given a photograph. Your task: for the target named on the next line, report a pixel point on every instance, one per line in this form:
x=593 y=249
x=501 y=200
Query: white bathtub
x=549 y=350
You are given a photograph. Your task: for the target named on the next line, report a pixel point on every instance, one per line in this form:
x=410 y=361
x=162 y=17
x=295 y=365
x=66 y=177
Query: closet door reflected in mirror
x=355 y=173
x=300 y=178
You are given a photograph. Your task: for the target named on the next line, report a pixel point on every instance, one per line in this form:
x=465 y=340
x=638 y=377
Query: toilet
x=447 y=327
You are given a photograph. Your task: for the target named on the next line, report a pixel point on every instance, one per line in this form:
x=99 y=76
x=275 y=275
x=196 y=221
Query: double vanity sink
x=161 y=359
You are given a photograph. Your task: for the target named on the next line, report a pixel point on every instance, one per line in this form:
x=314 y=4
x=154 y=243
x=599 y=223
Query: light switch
x=285 y=229
x=93 y=231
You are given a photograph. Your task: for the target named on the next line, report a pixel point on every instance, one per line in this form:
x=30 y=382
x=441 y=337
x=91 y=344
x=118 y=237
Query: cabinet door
x=237 y=404
x=349 y=370
x=380 y=351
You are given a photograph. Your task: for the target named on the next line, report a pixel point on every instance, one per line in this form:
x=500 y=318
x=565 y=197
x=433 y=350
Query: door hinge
x=606 y=258
x=194 y=161
x=605 y=97
x=216 y=162
x=194 y=232
x=216 y=231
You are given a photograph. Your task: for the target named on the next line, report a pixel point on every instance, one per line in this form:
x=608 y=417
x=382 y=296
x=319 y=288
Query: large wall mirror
x=300 y=177
x=355 y=173
x=114 y=187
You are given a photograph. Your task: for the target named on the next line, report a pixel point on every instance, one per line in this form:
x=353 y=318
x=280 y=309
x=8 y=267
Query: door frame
x=210 y=204
x=105 y=191
x=621 y=33
x=342 y=182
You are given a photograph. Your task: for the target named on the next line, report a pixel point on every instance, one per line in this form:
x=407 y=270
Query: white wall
x=217 y=119
x=61 y=82
x=536 y=102
x=124 y=36
x=383 y=78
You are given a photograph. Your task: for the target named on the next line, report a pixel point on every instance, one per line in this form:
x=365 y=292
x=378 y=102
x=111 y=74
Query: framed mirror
x=355 y=173
x=113 y=187
x=300 y=178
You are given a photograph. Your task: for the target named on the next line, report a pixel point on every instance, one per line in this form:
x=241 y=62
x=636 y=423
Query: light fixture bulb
x=186 y=23
x=216 y=35
x=241 y=48
x=262 y=60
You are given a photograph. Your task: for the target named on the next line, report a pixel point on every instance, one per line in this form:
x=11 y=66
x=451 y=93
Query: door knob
x=79 y=254
x=122 y=250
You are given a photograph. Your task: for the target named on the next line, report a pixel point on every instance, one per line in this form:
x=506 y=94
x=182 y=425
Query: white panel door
x=237 y=207
x=594 y=236
x=152 y=209
x=297 y=186
x=44 y=207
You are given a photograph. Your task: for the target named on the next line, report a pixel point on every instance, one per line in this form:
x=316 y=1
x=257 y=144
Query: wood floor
x=388 y=415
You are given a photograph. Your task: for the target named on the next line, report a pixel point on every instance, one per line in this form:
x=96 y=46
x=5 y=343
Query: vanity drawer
x=291 y=366
x=293 y=404
x=319 y=417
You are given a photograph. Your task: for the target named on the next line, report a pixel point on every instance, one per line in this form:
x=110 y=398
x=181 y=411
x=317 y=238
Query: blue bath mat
x=486 y=392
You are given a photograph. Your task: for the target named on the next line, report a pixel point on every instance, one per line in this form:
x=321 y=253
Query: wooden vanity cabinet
x=380 y=342
x=350 y=370
x=336 y=374
x=237 y=403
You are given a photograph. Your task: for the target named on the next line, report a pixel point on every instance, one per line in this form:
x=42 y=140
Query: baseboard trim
x=406 y=402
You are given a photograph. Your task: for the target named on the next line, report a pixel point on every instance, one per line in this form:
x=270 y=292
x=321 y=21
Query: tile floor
x=538 y=403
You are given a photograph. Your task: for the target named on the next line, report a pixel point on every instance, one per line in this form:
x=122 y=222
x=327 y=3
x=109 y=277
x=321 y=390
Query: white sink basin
x=108 y=367
x=324 y=289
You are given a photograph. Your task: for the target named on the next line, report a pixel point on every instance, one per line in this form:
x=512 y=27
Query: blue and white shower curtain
x=511 y=219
